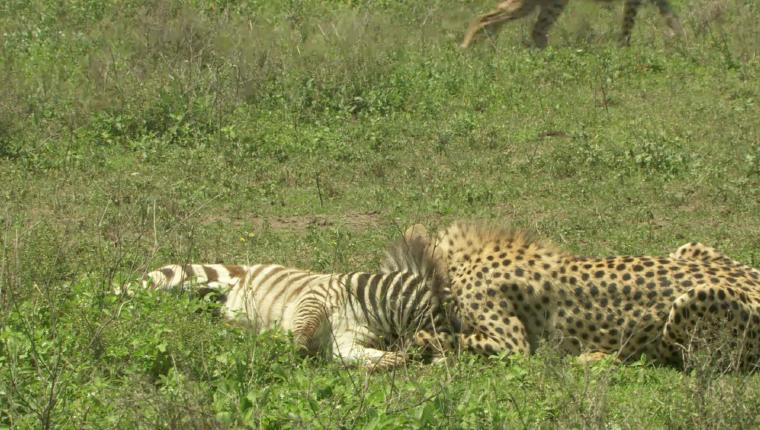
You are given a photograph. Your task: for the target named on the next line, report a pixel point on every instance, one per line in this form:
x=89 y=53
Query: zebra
x=361 y=318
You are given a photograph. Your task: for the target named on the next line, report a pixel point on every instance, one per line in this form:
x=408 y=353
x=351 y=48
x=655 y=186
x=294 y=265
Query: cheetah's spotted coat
x=510 y=290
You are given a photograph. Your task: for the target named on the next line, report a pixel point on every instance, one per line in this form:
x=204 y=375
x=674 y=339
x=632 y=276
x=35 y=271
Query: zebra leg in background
x=505 y=11
x=670 y=18
x=629 y=18
x=550 y=10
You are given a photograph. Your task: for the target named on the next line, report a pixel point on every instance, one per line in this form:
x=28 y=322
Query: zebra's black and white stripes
x=365 y=318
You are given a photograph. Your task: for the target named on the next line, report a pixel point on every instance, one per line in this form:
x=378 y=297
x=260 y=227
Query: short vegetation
x=137 y=133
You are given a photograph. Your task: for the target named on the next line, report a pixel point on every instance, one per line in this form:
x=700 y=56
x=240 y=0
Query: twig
x=103 y=215
x=319 y=191
x=155 y=230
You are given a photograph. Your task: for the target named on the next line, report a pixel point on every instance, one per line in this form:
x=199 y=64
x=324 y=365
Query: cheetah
x=550 y=10
x=510 y=290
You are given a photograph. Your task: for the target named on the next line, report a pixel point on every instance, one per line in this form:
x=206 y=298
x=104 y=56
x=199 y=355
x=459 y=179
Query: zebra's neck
x=391 y=303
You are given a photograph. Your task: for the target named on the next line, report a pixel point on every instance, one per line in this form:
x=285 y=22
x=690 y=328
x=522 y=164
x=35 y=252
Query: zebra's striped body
x=364 y=318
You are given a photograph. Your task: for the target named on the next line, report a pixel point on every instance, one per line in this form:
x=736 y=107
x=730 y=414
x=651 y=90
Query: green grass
x=139 y=133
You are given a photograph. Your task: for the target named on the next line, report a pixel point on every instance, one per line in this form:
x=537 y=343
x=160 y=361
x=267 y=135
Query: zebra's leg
x=389 y=360
x=348 y=348
x=550 y=11
x=629 y=18
x=670 y=18
x=309 y=319
x=505 y=11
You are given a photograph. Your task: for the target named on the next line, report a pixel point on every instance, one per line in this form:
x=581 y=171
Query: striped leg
x=389 y=359
x=309 y=320
x=348 y=348
x=505 y=11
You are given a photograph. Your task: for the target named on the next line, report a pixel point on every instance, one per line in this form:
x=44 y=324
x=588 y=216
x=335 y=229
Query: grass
x=139 y=133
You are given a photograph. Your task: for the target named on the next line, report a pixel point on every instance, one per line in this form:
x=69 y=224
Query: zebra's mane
x=414 y=255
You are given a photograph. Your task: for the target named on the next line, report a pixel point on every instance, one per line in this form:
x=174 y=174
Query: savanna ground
x=138 y=133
